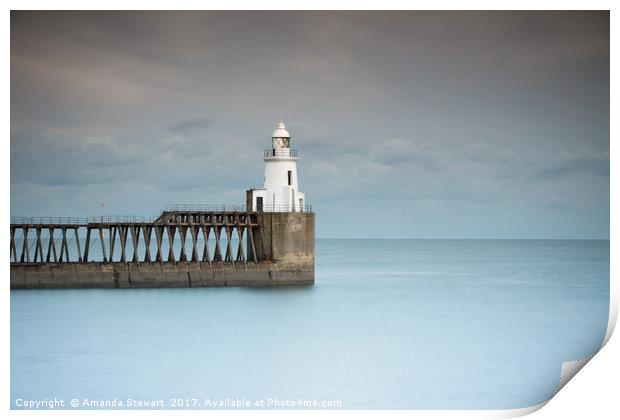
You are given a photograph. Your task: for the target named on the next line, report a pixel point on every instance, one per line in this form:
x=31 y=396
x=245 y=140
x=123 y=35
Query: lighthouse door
x=259 y=204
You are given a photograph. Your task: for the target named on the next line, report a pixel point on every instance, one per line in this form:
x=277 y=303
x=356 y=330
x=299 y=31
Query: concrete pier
x=278 y=250
x=132 y=275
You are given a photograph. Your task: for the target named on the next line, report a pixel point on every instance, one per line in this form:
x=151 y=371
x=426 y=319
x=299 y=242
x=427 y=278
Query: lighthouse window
x=289 y=177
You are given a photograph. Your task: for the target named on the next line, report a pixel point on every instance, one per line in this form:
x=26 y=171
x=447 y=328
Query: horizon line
x=470 y=239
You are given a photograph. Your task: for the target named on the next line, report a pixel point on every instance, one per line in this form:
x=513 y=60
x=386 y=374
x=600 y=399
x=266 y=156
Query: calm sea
x=389 y=324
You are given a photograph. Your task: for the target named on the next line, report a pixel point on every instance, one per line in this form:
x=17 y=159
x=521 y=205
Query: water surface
x=389 y=324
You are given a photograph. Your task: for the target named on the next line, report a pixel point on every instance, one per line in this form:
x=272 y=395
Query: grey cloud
x=190 y=125
x=399 y=151
x=590 y=166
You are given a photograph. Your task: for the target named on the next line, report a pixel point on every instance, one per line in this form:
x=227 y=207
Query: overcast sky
x=408 y=124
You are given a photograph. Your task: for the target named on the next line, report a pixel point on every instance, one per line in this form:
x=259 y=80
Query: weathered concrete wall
x=132 y=275
x=286 y=238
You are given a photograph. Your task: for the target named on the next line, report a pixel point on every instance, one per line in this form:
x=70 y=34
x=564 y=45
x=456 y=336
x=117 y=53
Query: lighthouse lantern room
x=280 y=192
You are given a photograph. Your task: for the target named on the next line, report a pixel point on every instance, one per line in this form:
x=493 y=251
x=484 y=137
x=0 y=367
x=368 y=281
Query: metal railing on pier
x=232 y=208
x=220 y=208
x=200 y=208
x=80 y=221
x=284 y=208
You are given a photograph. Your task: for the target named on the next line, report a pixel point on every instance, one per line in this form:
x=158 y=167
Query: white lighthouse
x=280 y=192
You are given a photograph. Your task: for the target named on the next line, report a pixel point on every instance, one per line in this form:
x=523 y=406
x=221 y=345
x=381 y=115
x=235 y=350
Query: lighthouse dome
x=281 y=131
